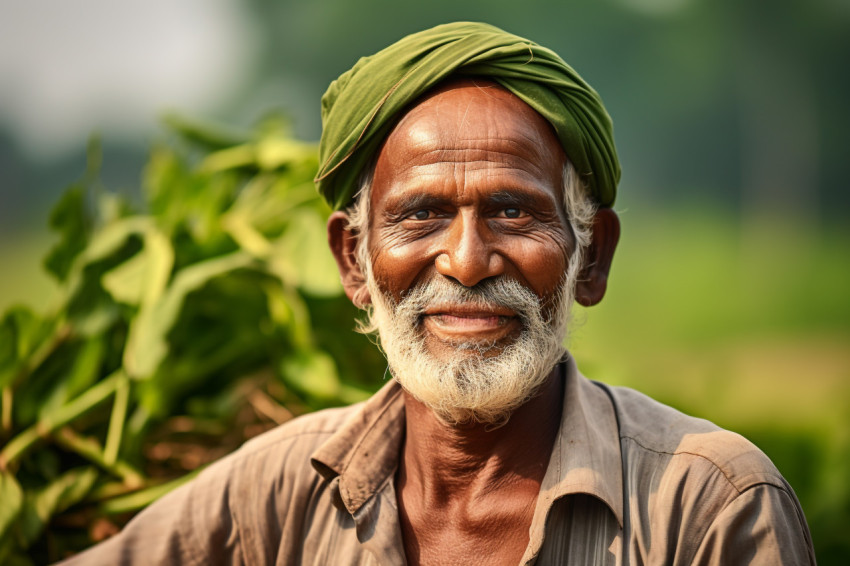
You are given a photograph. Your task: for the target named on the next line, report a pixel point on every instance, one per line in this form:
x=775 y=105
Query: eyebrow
x=421 y=200
x=520 y=198
x=517 y=197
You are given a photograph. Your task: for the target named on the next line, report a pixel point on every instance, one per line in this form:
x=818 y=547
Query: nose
x=469 y=253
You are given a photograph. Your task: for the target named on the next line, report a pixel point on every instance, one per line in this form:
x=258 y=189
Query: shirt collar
x=364 y=453
x=586 y=454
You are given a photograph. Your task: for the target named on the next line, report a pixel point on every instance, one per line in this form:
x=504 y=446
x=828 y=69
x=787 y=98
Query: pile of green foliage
x=184 y=326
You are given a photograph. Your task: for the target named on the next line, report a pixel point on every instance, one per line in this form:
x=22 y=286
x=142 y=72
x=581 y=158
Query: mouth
x=461 y=323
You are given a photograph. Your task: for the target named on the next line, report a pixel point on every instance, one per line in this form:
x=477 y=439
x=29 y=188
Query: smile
x=470 y=323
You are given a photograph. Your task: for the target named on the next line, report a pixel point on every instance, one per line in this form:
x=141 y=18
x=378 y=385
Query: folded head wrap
x=361 y=106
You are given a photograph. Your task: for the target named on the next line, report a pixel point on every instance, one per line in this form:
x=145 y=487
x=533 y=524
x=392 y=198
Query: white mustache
x=501 y=292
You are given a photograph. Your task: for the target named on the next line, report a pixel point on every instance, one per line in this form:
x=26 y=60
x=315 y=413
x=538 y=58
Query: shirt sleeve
x=764 y=525
x=190 y=526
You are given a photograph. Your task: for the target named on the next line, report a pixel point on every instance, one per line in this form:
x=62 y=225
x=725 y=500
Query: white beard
x=475 y=381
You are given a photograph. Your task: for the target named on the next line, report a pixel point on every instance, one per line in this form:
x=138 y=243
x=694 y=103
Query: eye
x=421 y=215
x=513 y=212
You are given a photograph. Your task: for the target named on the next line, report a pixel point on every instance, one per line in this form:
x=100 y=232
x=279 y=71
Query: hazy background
x=728 y=295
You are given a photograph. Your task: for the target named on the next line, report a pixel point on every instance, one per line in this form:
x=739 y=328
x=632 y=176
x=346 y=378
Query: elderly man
x=475 y=171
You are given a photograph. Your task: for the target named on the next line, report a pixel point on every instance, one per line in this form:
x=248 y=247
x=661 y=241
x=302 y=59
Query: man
x=475 y=172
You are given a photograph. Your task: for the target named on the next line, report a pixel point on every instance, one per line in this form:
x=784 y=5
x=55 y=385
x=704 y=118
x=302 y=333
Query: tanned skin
x=468 y=186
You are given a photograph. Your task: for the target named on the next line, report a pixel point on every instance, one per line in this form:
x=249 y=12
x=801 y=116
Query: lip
x=470 y=323
x=469 y=311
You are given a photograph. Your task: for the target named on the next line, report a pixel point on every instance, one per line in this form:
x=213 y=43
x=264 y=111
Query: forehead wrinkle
x=478 y=165
x=463 y=119
x=445 y=158
x=536 y=150
x=533 y=142
x=472 y=150
x=421 y=179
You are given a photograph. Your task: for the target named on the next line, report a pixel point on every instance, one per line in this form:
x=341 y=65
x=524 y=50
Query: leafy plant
x=183 y=327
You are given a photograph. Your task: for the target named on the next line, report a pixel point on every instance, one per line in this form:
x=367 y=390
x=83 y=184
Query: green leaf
x=73 y=222
x=12 y=498
x=126 y=283
x=14 y=330
x=188 y=201
x=91 y=308
x=288 y=308
x=275 y=152
x=21 y=333
x=302 y=257
x=230 y=158
x=270 y=153
x=162 y=178
x=80 y=372
x=144 y=276
x=205 y=132
x=113 y=236
x=66 y=490
x=108 y=241
x=111 y=207
x=147 y=343
x=313 y=373
x=268 y=202
x=238 y=226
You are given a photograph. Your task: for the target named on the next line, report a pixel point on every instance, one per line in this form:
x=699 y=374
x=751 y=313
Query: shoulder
x=265 y=494
x=307 y=431
x=669 y=436
x=282 y=452
x=698 y=493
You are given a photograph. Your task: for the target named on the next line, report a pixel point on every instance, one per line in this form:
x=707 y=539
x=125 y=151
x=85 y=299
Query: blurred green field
x=23 y=279
x=748 y=328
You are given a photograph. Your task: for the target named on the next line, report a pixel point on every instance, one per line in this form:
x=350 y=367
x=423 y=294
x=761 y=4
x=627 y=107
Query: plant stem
x=90 y=449
x=116 y=420
x=17 y=446
x=6 y=418
x=110 y=490
x=62 y=334
x=143 y=498
x=49 y=423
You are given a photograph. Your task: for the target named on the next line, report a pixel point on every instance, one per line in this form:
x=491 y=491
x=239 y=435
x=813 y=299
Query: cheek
x=397 y=266
x=543 y=264
x=541 y=255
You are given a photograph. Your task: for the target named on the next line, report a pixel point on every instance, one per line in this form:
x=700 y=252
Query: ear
x=343 y=243
x=593 y=279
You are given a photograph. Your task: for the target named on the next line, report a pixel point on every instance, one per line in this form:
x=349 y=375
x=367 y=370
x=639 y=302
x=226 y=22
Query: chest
x=577 y=531
x=493 y=530
x=446 y=542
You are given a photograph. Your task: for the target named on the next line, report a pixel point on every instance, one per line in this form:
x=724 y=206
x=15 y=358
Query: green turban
x=361 y=106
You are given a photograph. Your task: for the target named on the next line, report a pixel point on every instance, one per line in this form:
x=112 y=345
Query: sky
x=68 y=68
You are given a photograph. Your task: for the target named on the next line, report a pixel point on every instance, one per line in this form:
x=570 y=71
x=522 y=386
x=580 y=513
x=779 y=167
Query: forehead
x=467 y=130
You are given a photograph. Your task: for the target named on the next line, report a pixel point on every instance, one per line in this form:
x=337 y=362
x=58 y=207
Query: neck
x=442 y=459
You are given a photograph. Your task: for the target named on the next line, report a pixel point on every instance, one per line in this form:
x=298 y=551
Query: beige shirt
x=629 y=481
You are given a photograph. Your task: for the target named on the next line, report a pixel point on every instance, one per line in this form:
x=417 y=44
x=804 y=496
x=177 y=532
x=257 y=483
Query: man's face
x=467 y=224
